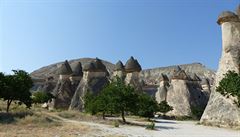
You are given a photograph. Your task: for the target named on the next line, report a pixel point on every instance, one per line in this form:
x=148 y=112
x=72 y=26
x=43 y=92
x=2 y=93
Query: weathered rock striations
x=95 y=77
x=182 y=92
x=151 y=76
x=63 y=91
x=222 y=111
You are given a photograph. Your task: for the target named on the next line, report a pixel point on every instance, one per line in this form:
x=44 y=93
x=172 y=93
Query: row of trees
x=119 y=98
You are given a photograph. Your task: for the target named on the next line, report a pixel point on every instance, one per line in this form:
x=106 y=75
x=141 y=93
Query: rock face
x=119 y=71
x=179 y=85
x=64 y=90
x=182 y=92
x=95 y=77
x=222 y=111
x=51 y=70
x=132 y=68
x=151 y=76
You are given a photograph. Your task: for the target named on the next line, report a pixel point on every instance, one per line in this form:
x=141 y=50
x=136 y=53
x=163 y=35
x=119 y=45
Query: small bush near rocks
x=230 y=86
x=151 y=126
x=197 y=112
x=116 y=123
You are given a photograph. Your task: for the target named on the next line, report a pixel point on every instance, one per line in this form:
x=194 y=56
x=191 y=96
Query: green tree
x=16 y=87
x=125 y=99
x=116 y=97
x=41 y=97
x=230 y=86
x=105 y=101
x=147 y=106
x=2 y=83
x=164 y=107
x=89 y=103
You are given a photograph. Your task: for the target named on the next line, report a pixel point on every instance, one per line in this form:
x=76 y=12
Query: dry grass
x=30 y=130
x=79 y=116
x=22 y=122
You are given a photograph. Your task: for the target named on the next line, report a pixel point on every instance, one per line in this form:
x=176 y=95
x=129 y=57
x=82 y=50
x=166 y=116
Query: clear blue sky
x=35 y=33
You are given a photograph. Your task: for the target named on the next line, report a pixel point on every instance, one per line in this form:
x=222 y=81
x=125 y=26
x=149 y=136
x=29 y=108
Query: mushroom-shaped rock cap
x=180 y=75
x=65 y=69
x=119 y=66
x=132 y=65
x=99 y=66
x=227 y=16
x=164 y=77
x=95 y=66
x=77 y=69
x=89 y=67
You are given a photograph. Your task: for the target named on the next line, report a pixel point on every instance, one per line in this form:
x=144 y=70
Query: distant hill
x=51 y=70
x=148 y=75
x=152 y=75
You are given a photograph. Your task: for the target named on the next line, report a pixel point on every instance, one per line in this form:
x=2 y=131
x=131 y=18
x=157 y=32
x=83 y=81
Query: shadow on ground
x=164 y=122
x=158 y=128
x=8 y=118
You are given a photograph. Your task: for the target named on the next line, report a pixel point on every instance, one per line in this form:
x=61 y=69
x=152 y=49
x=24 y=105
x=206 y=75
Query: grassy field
x=39 y=122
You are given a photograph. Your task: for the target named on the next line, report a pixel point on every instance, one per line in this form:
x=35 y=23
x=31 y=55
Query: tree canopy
x=117 y=97
x=16 y=87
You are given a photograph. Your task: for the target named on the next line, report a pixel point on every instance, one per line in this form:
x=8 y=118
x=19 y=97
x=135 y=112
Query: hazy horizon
x=160 y=33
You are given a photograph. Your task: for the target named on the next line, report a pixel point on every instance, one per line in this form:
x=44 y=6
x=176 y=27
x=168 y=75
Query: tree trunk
x=123 y=117
x=8 y=105
x=103 y=115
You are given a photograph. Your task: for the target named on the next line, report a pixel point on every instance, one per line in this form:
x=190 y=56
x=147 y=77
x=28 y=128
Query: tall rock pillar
x=222 y=111
x=132 y=69
x=95 y=78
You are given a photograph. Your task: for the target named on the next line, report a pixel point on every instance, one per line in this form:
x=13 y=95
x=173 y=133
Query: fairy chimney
x=222 y=111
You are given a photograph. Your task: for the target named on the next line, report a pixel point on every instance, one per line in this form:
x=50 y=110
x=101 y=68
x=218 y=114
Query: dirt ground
x=42 y=123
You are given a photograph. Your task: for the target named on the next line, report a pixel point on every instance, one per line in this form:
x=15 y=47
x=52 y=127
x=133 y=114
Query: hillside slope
x=148 y=75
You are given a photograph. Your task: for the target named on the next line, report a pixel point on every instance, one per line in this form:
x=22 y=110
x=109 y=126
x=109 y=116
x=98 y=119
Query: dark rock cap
x=119 y=66
x=99 y=66
x=89 y=67
x=95 y=66
x=180 y=75
x=227 y=16
x=132 y=65
x=77 y=69
x=65 y=69
x=164 y=77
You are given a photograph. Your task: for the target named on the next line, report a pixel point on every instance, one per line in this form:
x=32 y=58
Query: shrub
x=230 y=86
x=164 y=107
x=197 y=112
x=116 y=123
x=41 y=97
x=151 y=126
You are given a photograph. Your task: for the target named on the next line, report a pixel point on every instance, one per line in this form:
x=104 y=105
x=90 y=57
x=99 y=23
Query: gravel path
x=167 y=128
x=164 y=128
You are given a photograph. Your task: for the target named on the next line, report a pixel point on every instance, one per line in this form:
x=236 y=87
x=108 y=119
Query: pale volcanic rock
x=222 y=111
